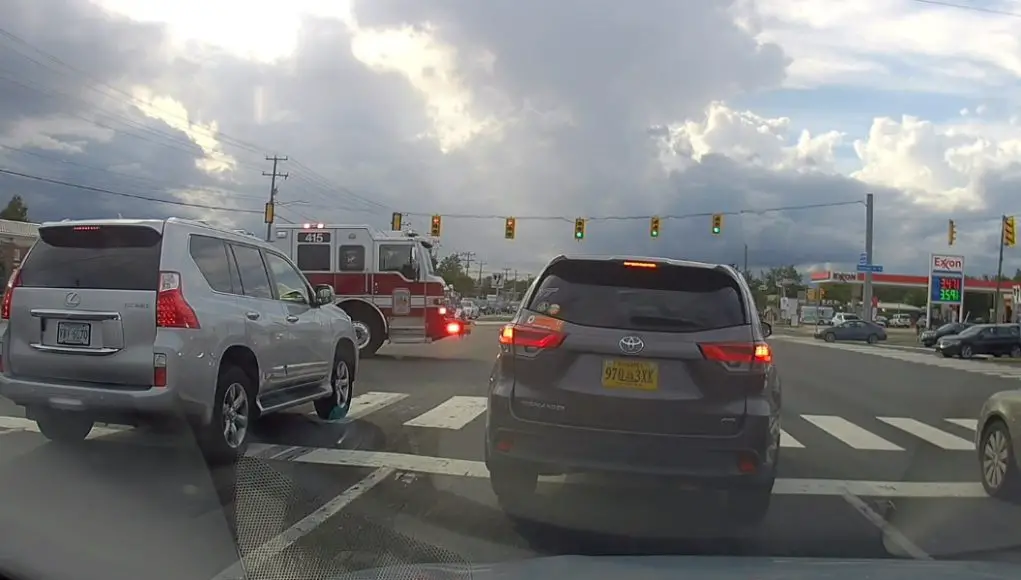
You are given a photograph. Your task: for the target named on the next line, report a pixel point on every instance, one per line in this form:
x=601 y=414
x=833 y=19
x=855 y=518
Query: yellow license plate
x=625 y=374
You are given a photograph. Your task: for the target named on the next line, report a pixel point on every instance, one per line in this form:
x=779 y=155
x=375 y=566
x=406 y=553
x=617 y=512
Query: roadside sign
x=863 y=259
x=946 y=281
x=874 y=268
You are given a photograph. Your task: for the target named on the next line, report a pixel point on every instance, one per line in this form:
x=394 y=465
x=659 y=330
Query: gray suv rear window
x=110 y=257
x=664 y=299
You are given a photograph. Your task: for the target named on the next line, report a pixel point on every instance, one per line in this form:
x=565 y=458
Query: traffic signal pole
x=866 y=295
x=999 y=273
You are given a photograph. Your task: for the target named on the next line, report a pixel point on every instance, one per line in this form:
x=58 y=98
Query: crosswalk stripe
x=966 y=423
x=371 y=402
x=454 y=413
x=789 y=442
x=851 y=434
x=928 y=433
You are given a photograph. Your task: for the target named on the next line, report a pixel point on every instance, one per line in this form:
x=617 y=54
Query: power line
x=314 y=179
x=799 y=207
x=122 y=194
x=970 y=8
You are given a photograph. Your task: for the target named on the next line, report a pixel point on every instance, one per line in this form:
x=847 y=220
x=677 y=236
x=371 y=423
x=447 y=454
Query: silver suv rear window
x=663 y=299
x=111 y=257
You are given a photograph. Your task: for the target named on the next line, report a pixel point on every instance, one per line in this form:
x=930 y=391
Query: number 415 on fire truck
x=384 y=281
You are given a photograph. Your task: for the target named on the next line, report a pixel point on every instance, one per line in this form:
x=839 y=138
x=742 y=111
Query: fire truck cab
x=384 y=281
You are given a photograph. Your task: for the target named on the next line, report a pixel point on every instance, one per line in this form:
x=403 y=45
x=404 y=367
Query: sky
x=782 y=114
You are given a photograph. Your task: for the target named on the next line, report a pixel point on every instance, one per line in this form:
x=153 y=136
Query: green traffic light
x=655 y=234
x=579 y=235
x=716 y=230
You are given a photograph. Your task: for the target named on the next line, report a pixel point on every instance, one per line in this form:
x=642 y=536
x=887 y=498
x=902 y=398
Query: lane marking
x=454 y=413
x=851 y=434
x=371 y=402
x=966 y=423
x=930 y=434
x=890 y=533
x=477 y=469
x=257 y=558
x=787 y=441
x=23 y=424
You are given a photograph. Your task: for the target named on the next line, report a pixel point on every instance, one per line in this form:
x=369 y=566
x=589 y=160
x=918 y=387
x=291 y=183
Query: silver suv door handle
x=252 y=315
x=292 y=318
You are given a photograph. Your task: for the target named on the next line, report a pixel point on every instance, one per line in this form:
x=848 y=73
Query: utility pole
x=271 y=205
x=999 y=275
x=481 y=264
x=467 y=258
x=866 y=295
x=745 y=258
x=506 y=274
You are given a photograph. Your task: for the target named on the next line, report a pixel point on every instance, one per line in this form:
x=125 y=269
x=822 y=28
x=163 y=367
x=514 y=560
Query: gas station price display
x=947 y=288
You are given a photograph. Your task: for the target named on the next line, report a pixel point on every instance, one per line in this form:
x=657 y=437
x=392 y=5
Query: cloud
x=483 y=110
x=875 y=43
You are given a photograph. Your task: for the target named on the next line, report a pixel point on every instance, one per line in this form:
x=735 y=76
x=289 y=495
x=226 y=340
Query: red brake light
x=453 y=327
x=648 y=265
x=738 y=352
x=172 y=310
x=529 y=337
x=13 y=282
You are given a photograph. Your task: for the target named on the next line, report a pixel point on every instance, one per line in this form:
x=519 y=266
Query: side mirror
x=767 y=329
x=325 y=294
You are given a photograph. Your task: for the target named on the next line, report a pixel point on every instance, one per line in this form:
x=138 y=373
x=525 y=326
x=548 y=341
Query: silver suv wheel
x=235 y=415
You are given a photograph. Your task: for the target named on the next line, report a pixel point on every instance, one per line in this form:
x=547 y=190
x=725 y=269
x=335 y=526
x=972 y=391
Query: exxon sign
x=947 y=264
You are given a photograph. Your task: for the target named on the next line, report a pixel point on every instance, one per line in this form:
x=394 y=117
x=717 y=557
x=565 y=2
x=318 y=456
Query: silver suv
x=136 y=321
x=639 y=367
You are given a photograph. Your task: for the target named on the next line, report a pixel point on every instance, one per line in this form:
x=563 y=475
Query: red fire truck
x=384 y=281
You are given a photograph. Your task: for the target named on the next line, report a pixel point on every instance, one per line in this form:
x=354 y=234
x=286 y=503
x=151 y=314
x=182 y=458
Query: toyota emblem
x=631 y=345
x=72 y=299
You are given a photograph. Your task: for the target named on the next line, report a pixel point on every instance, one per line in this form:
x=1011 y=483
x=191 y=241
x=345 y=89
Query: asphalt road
x=863 y=474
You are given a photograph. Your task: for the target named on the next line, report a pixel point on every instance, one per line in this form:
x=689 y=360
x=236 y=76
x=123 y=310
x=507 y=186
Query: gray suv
x=643 y=366
x=136 y=321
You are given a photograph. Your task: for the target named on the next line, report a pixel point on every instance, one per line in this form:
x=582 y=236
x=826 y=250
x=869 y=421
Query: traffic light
x=717 y=223
x=508 y=228
x=951 y=233
x=579 y=228
x=436 y=226
x=395 y=221
x=1009 y=233
x=654 y=227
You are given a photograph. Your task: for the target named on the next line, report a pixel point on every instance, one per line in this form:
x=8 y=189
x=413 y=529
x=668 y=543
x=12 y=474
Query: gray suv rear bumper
x=702 y=460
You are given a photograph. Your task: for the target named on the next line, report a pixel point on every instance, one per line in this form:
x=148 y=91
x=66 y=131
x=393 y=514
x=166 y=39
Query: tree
x=450 y=267
x=16 y=210
x=452 y=271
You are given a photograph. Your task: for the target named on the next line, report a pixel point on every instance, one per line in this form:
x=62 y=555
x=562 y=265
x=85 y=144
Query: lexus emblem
x=631 y=345
x=72 y=299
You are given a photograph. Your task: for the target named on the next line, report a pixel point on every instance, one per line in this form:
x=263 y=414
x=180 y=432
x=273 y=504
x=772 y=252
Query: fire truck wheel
x=368 y=328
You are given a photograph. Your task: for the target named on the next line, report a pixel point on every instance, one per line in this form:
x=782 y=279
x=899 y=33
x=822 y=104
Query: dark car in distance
x=641 y=366
x=930 y=338
x=982 y=339
x=853 y=330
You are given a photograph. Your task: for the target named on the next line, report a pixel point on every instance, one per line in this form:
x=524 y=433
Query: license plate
x=620 y=374
x=74 y=333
